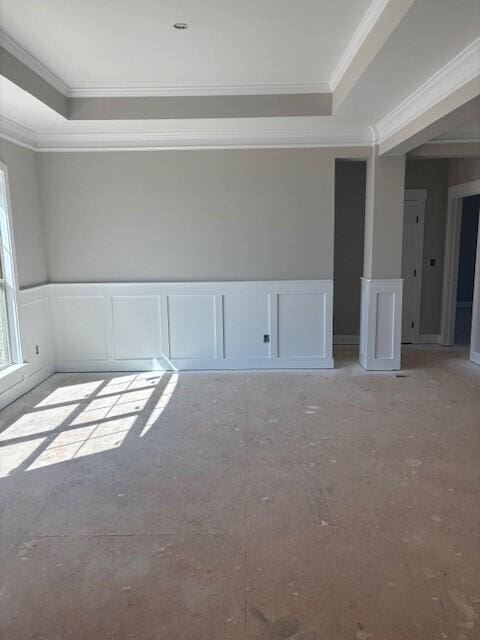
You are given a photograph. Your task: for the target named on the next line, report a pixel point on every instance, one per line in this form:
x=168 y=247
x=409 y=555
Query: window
x=9 y=333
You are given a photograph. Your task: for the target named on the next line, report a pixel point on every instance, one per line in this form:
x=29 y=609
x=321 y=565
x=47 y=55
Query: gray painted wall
x=433 y=176
x=189 y=215
x=462 y=170
x=385 y=194
x=350 y=179
x=22 y=166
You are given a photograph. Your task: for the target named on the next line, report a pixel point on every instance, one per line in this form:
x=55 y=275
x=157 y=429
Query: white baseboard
x=346 y=339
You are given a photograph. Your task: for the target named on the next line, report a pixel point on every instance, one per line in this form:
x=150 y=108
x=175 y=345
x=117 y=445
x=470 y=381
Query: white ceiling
x=430 y=35
x=117 y=43
x=228 y=44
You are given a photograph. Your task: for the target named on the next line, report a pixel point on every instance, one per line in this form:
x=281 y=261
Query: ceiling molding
x=133 y=92
x=461 y=69
x=360 y=34
x=16 y=133
x=235 y=139
x=33 y=63
x=200 y=90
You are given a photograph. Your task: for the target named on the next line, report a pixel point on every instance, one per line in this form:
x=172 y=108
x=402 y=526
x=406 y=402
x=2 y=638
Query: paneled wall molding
x=36 y=343
x=185 y=326
x=381 y=324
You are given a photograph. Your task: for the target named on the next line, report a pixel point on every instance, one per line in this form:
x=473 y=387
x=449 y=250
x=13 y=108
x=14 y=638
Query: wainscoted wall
x=157 y=326
x=203 y=325
x=381 y=324
x=37 y=345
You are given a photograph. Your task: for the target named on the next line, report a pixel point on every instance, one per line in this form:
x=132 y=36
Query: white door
x=412 y=257
x=475 y=336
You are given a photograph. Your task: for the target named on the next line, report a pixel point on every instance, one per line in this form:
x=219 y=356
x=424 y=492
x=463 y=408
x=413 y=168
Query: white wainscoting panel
x=300 y=334
x=36 y=342
x=80 y=328
x=136 y=327
x=381 y=324
x=204 y=325
x=191 y=327
x=246 y=325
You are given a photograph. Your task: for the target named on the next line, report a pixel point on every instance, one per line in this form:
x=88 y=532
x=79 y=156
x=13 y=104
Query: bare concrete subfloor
x=333 y=505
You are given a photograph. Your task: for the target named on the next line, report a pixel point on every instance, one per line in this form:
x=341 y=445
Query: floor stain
x=285 y=628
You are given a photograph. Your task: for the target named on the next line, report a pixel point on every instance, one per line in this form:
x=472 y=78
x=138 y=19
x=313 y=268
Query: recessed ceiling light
x=180 y=25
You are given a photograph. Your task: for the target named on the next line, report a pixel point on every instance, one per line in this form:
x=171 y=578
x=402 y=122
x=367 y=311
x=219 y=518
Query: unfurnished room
x=240 y=320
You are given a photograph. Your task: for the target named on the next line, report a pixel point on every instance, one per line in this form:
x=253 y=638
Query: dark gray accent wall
x=350 y=182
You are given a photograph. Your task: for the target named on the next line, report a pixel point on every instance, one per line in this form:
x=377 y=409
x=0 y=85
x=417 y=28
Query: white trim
x=33 y=63
x=16 y=133
x=456 y=194
x=176 y=140
x=419 y=196
x=40 y=69
x=368 y=21
x=11 y=282
x=92 y=334
x=461 y=69
x=200 y=90
x=475 y=332
x=381 y=324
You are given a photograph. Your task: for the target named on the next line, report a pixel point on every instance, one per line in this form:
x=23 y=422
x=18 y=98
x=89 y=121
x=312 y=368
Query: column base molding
x=381 y=324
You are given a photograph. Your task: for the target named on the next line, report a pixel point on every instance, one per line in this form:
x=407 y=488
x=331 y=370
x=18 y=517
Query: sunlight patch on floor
x=81 y=419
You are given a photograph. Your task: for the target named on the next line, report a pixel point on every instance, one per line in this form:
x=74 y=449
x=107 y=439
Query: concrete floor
x=334 y=505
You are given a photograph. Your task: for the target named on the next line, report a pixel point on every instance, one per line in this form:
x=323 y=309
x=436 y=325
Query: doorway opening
x=466 y=269
x=461 y=292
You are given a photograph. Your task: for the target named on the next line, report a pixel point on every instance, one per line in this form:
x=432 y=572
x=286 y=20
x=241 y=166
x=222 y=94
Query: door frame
x=452 y=255
x=475 y=334
x=419 y=196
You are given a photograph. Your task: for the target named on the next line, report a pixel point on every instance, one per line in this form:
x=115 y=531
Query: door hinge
x=413 y=325
x=418 y=219
x=414 y=273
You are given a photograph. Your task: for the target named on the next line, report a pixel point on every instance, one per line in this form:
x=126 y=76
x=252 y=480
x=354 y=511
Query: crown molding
x=461 y=69
x=33 y=63
x=360 y=34
x=200 y=90
x=135 y=92
x=235 y=139
x=16 y=133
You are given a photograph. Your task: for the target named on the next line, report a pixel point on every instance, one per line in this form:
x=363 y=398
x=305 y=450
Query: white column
x=381 y=306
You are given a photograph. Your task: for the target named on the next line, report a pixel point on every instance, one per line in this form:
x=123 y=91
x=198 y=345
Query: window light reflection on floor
x=82 y=419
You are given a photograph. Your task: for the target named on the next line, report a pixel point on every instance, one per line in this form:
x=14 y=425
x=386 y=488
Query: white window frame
x=9 y=284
